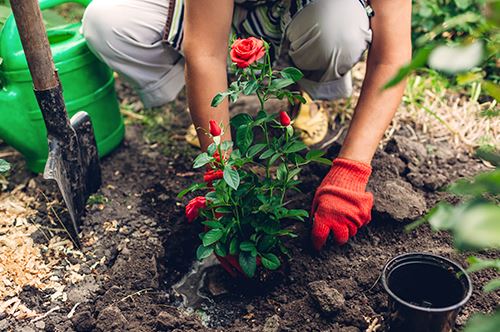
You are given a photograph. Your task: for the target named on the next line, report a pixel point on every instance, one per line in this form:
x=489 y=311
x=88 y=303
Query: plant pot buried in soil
x=244 y=204
x=425 y=291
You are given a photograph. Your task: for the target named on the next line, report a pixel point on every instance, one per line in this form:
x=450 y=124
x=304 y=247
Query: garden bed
x=137 y=244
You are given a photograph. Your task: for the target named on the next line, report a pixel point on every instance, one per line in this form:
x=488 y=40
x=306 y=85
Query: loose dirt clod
x=272 y=324
x=326 y=297
x=111 y=319
x=399 y=200
x=408 y=150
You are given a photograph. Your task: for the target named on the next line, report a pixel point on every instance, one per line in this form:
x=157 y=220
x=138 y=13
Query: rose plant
x=247 y=183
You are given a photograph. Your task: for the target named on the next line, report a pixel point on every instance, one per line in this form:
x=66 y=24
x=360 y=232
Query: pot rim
x=424 y=255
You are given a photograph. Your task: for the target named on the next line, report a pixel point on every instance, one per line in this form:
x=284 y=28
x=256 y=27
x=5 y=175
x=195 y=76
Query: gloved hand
x=341 y=204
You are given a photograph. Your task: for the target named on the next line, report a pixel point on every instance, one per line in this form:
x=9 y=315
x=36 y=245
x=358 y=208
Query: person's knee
x=330 y=36
x=99 y=25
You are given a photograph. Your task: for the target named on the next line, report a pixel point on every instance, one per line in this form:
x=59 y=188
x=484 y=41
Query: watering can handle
x=46 y=4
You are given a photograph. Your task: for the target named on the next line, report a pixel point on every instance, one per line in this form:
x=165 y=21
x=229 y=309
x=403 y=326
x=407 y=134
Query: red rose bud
x=212 y=175
x=284 y=119
x=193 y=207
x=215 y=130
x=244 y=52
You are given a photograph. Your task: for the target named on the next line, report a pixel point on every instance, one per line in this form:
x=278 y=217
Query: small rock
x=40 y=325
x=398 y=199
x=83 y=321
x=328 y=298
x=166 y=321
x=272 y=324
x=4 y=324
x=111 y=319
x=408 y=150
x=26 y=329
x=349 y=329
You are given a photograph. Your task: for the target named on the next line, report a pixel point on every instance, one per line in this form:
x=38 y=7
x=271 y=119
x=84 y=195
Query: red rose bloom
x=284 y=119
x=212 y=175
x=215 y=129
x=244 y=52
x=193 y=207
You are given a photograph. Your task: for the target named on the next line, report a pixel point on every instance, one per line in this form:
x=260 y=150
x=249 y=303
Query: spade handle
x=35 y=43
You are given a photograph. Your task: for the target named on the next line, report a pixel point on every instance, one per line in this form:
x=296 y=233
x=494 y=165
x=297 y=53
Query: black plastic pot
x=425 y=291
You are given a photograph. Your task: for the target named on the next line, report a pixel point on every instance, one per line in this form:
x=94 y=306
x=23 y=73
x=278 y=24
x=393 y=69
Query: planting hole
x=426 y=285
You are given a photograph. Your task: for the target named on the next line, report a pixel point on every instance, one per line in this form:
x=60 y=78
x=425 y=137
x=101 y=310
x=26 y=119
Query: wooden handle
x=35 y=43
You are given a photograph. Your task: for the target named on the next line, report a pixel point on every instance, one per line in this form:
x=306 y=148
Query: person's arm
x=206 y=34
x=389 y=51
x=341 y=204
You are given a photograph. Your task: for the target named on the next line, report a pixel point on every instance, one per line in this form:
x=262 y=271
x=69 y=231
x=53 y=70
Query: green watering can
x=87 y=82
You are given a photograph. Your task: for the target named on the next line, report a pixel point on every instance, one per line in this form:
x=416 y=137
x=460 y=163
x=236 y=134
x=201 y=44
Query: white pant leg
x=327 y=38
x=127 y=36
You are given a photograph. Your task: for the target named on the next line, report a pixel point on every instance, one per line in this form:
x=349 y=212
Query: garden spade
x=73 y=160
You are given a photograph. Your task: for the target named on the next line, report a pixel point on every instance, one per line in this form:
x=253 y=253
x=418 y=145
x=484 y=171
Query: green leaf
x=212 y=236
x=240 y=120
x=251 y=88
x=226 y=145
x=4 y=166
x=268 y=153
x=232 y=178
x=270 y=261
x=244 y=137
x=218 y=99
x=493 y=89
x=491 y=286
x=247 y=246
x=323 y=161
x=314 y=154
x=292 y=73
x=478 y=227
x=483 y=323
x=220 y=250
x=488 y=182
x=233 y=246
x=478 y=264
x=292 y=173
x=440 y=216
x=213 y=224
x=248 y=263
x=211 y=149
x=274 y=158
x=280 y=83
x=193 y=187
x=463 y=4
x=296 y=147
x=202 y=160
x=296 y=214
x=490 y=154
x=266 y=243
x=281 y=172
x=254 y=150
x=203 y=252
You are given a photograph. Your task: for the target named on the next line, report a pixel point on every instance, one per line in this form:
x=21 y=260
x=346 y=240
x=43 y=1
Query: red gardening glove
x=341 y=204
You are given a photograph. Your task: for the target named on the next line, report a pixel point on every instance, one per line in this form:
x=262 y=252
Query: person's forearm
x=205 y=77
x=373 y=113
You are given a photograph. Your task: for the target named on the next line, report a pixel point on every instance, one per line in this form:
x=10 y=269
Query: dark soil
x=152 y=246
